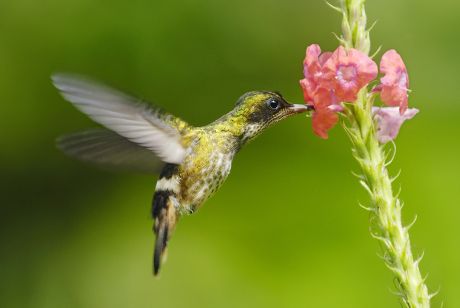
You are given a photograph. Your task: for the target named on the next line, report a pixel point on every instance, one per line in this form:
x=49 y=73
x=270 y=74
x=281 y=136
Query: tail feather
x=164 y=214
x=161 y=243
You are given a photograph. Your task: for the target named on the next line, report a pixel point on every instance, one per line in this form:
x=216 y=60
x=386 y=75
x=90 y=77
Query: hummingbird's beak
x=299 y=108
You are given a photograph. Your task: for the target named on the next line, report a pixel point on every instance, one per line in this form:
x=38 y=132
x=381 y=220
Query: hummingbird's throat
x=252 y=130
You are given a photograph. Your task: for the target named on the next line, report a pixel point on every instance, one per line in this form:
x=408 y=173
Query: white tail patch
x=171 y=184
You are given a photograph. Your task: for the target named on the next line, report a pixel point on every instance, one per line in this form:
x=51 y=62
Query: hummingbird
x=192 y=162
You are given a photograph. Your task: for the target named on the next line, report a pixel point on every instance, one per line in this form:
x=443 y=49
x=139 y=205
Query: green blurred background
x=285 y=230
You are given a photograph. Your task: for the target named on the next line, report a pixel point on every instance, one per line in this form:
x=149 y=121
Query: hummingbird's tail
x=165 y=217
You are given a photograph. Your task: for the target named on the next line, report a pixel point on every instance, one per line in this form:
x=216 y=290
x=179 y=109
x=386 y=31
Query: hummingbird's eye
x=273 y=104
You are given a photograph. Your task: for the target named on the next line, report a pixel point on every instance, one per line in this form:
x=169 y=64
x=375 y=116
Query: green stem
x=385 y=206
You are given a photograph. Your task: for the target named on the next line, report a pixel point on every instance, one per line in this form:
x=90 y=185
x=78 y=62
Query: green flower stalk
x=338 y=83
x=385 y=205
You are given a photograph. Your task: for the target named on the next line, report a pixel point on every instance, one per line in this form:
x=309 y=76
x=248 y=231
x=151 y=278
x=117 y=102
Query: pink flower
x=332 y=78
x=394 y=85
x=389 y=121
x=325 y=115
x=347 y=72
x=312 y=70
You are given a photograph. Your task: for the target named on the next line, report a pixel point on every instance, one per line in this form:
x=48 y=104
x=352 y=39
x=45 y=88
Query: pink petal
x=323 y=120
x=395 y=83
x=347 y=73
x=395 y=96
x=311 y=65
x=330 y=67
x=367 y=68
x=325 y=115
x=308 y=88
x=389 y=121
x=392 y=65
x=312 y=54
x=324 y=97
x=324 y=57
x=312 y=70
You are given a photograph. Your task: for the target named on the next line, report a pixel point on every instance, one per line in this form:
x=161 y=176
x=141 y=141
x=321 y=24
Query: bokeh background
x=286 y=229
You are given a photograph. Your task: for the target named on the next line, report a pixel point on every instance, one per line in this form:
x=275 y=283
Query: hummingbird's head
x=257 y=110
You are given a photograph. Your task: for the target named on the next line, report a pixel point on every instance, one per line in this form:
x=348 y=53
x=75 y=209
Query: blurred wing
x=108 y=149
x=138 y=122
